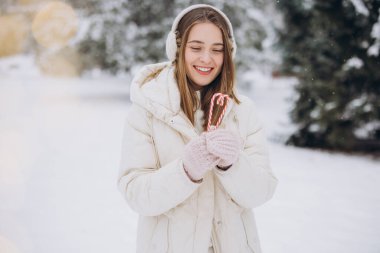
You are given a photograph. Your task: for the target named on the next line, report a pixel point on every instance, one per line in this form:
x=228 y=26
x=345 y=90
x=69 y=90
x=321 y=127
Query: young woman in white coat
x=194 y=189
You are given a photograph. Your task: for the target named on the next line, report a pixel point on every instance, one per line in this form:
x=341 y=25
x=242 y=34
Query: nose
x=205 y=57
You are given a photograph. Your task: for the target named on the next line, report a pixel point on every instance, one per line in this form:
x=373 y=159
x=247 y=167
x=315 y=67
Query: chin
x=203 y=83
x=200 y=80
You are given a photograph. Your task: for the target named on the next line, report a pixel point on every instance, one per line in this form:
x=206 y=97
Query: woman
x=194 y=189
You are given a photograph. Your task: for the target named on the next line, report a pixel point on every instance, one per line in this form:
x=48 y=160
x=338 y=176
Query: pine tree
x=122 y=34
x=333 y=48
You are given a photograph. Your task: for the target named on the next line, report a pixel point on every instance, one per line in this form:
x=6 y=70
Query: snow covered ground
x=59 y=156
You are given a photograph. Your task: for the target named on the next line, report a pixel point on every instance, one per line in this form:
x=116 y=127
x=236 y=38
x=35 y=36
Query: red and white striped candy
x=220 y=101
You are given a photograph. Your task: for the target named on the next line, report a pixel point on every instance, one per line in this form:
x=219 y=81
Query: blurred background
x=311 y=66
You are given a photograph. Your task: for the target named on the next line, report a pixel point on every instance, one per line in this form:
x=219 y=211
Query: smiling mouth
x=203 y=70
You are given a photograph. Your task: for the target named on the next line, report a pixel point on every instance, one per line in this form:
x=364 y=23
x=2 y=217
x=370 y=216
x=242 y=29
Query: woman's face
x=204 y=54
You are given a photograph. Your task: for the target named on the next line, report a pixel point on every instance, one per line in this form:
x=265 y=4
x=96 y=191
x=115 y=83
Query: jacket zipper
x=214 y=245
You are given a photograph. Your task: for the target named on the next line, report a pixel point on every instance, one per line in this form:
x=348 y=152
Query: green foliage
x=329 y=46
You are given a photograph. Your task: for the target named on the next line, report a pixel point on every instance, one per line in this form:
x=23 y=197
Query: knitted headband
x=171 y=45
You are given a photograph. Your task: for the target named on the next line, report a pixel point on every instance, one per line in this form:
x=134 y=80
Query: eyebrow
x=201 y=42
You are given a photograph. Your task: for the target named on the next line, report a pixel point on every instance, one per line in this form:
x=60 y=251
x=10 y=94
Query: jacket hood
x=155 y=89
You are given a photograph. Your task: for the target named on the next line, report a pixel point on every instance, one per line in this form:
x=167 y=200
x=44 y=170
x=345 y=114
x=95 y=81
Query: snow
x=59 y=157
x=375 y=33
x=308 y=4
x=367 y=129
x=57 y=181
x=19 y=65
x=374 y=49
x=329 y=106
x=353 y=63
x=357 y=102
x=314 y=128
x=315 y=113
x=360 y=7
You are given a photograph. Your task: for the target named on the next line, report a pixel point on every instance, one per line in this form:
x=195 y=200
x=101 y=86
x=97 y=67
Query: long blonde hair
x=223 y=83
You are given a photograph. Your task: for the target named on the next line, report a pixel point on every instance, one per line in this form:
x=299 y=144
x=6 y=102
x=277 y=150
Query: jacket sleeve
x=250 y=181
x=148 y=189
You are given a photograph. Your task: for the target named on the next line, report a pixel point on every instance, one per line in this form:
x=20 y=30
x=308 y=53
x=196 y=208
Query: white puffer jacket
x=177 y=215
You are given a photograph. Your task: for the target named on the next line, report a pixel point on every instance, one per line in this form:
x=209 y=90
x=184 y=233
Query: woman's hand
x=197 y=160
x=225 y=145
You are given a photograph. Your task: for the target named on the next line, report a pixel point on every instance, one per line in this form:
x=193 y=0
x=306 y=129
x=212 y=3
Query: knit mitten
x=223 y=144
x=197 y=160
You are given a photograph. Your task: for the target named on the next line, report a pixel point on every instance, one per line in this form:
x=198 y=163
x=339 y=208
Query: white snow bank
x=19 y=65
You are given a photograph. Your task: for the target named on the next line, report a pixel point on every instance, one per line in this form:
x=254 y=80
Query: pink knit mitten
x=197 y=159
x=223 y=144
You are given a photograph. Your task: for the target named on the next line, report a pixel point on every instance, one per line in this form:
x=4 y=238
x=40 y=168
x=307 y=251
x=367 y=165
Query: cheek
x=188 y=57
x=219 y=61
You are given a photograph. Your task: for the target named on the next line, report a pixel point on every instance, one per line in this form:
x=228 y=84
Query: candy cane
x=219 y=101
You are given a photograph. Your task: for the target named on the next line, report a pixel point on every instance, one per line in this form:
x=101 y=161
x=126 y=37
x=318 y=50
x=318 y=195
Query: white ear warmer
x=171 y=45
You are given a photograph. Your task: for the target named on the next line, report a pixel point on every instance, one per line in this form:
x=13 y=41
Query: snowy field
x=59 y=157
